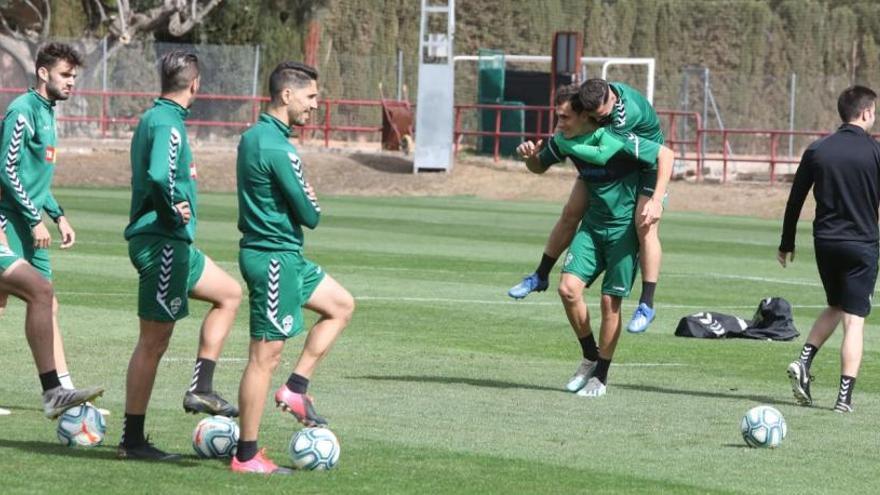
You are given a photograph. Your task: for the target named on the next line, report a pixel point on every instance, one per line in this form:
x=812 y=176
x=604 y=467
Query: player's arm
x=537 y=158
x=288 y=173
x=653 y=209
x=597 y=148
x=52 y=208
x=56 y=213
x=529 y=152
x=17 y=130
x=172 y=211
x=803 y=181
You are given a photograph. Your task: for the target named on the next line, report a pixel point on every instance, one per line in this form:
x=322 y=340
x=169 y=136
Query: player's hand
x=652 y=212
x=68 y=236
x=781 y=255
x=528 y=149
x=310 y=192
x=184 y=211
x=42 y=238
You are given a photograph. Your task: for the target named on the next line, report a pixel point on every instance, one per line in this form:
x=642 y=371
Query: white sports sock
x=66 y=381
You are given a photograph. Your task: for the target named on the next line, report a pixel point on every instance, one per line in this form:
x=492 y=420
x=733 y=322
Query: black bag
x=772 y=321
x=710 y=326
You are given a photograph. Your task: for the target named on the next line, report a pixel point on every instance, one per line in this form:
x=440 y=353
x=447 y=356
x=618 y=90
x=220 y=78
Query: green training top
x=612 y=187
x=27 y=145
x=162 y=174
x=632 y=114
x=598 y=147
x=272 y=201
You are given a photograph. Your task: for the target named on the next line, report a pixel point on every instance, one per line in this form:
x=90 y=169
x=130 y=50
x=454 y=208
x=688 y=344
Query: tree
x=25 y=24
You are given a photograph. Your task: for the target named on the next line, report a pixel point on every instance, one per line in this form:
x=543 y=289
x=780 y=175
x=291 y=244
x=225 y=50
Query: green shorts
x=279 y=285
x=21 y=242
x=613 y=251
x=167 y=270
x=7 y=258
x=647 y=183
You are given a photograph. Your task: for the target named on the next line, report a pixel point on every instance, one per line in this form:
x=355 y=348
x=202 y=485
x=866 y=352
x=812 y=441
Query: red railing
x=332 y=108
x=325 y=126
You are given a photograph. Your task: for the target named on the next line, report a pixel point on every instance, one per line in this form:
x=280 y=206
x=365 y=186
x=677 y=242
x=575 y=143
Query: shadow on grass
x=736 y=446
x=763 y=399
x=105 y=452
x=475 y=382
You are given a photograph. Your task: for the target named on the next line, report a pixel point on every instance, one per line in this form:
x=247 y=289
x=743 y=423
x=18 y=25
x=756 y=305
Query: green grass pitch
x=442 y=384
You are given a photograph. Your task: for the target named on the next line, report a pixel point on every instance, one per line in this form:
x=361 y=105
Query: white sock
x=65 y=380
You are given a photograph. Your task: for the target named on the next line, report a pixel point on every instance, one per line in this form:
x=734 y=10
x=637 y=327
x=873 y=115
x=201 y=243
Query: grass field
x=442 y=384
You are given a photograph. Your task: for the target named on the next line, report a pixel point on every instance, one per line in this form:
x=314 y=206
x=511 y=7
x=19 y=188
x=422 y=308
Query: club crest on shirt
x=193 y=173
x=287 y=323
x=50 y=154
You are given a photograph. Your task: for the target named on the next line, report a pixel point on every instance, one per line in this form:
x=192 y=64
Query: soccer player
x=625 y=112
x=28 y=148
x=844 y=171
x=275 y=202
x=160 y=239
x=607 y=240
x=19 y=278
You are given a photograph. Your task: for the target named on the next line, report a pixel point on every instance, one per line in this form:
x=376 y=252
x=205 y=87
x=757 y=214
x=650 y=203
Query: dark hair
x=569 y=93
x=593 y=93
x=177 y=70
x=51 y=53
x=853 y=101
x=289 y=74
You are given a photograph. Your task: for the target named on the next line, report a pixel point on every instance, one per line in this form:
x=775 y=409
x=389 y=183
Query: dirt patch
x=363 y=173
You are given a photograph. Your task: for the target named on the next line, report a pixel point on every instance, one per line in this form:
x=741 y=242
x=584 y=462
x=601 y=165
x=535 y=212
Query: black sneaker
x=800 y=382
x=144 y=452
x=208 y=403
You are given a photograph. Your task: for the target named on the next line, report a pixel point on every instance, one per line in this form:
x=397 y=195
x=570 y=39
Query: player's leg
x=850 y=360
x=21 y=280
x=650 y=258
x=263 y=359
x=224 y=293
x=832 y=266
x=163 y=272
x=580 y=269
x=620 y=253
x=858 y=289
x=799 y=369
x=335 y=306
x=142 y=368
x=560 y=238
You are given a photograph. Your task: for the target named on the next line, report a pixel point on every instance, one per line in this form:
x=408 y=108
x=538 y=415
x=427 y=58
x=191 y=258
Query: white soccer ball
x=314 y=449
x=81 y=426
x=215 y=437
x=763 y=426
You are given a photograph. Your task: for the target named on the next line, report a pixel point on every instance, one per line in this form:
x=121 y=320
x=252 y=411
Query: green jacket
x=272 y=202
x=162 y=174
x=28 y=145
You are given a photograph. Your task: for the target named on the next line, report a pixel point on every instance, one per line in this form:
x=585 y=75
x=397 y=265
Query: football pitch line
x=444 y=300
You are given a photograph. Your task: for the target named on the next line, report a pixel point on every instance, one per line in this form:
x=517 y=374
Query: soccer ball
x=763 y=426
x=314 y=449
x=81 y=426
x=215 y=437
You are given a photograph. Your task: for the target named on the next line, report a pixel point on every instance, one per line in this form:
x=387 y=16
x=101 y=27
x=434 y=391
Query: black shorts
x=849 y=271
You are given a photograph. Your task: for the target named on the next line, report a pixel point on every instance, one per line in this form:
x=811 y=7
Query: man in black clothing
x=845 y=170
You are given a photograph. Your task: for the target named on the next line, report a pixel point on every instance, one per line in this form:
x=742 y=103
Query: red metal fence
x=690 y=148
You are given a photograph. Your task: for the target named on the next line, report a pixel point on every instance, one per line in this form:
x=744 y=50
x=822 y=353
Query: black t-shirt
x=844 y=171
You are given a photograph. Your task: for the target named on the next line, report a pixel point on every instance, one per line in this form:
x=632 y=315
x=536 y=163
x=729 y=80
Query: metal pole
x=104 y=105
x=255 y=104
x=705 y=104
x=399 y=75
x=791 y=108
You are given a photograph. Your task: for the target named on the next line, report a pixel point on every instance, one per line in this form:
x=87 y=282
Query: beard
x=55 y=93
